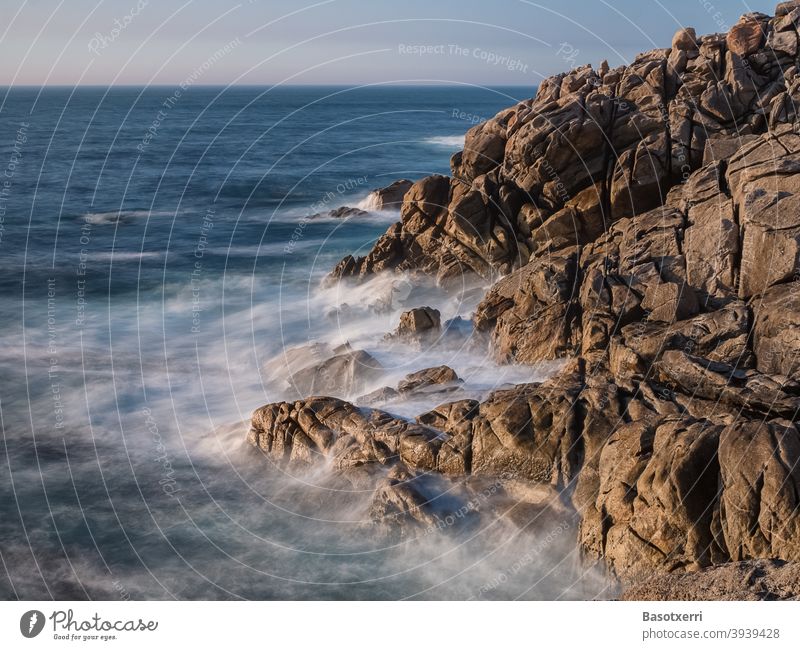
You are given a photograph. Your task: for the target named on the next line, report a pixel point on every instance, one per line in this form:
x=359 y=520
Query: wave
x=115 y=256
x=456 y=141
x=102 y=218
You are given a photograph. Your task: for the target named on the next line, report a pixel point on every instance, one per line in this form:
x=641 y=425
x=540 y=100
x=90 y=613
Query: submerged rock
x=343 y=374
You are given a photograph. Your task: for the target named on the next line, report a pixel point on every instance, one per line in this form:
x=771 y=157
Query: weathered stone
x=378 y=397
x=418 y=324
x=745 y=37
x=389 y=197
x=440 y=378
x=344 y=374
x=713 y=380
x=723 y=147
x=784 y=41
x=531 y=313
x=784 y=8
x=455 y=418
x=771 y=243
x=711 y=246
x=776 y=335
x=752 y=580
x=658 y=488
x=685 y=39
x=760 y=503
x=669 y=301
x=528 y=432
x=345 y=212
x=720 y=335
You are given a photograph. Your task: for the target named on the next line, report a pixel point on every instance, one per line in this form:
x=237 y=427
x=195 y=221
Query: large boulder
x=439 y=378
x=657 y=490
x=529 y=432
x=418 y=324
x=764 y=178
x=776 y=335
x=760 y=478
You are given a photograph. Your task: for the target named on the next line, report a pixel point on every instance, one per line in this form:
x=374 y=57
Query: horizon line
x=455 y=84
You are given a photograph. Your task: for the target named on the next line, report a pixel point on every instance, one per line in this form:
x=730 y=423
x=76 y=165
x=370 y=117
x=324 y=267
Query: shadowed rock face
x=645 y=222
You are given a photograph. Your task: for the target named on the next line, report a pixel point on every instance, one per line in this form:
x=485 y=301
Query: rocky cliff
x=644 y=223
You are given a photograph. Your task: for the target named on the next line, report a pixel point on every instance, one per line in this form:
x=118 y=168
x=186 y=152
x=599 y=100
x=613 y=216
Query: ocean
x=160 y=266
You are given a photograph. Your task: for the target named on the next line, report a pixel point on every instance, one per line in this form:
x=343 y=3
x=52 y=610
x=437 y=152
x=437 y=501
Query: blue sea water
x=156 y=261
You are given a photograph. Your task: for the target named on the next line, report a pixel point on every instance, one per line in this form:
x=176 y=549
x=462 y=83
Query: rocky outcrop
x=643 y=223
x=326 y=429
x=595 y=146
x=760 y=478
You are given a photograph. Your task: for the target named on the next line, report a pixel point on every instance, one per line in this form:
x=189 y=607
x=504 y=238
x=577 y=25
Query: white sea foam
x=99 y=218
x=125 y=256
x=169 y=407
x=450 y=141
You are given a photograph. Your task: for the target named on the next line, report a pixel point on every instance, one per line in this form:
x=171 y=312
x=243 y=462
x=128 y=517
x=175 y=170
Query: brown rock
x=752 y=580
x=760 y=504
x=784 y=8
x=776 y=335
x=378 y=397
x=669 y=301
x=418 y=324
x=785 y=41
x=344 y=374
x=745 y=37
x=531 y=312
x=658 y=489
x=771 y=243
x=528 y=432
x=455 y=418
x=685 y=39
x=722 y=147
x=439 y=378
x=712 y=249
x=712 y=380
x=389 y=197
x=720 y=335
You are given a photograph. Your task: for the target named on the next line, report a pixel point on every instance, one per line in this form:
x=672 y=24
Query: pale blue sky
x=336 y=41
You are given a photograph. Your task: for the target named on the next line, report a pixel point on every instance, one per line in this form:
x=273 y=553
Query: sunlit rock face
x=642 y=222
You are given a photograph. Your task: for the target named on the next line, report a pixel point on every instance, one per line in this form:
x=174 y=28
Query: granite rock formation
x=644 y=223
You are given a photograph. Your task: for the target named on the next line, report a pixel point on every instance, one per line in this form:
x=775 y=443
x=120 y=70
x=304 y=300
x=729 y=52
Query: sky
x=489 y=42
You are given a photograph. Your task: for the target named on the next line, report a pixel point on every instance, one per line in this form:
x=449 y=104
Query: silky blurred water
x=156 y=258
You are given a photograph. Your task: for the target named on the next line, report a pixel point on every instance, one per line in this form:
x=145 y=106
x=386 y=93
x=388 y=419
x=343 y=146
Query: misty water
x=160 y=280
